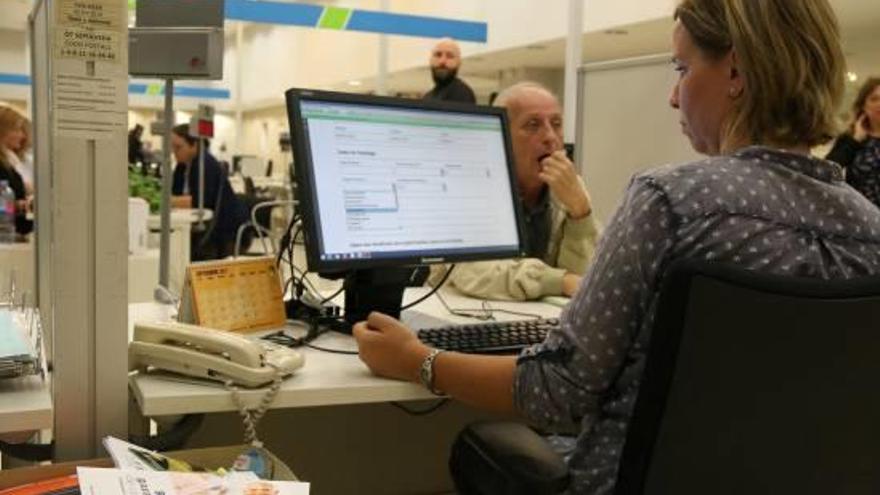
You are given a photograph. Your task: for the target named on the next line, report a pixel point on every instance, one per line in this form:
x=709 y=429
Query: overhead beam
x=347 y=19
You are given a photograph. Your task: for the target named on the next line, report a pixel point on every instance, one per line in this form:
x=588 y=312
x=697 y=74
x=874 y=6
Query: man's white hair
x=512 y=93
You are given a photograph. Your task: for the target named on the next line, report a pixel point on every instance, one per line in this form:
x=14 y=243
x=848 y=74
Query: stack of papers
x=18 y=345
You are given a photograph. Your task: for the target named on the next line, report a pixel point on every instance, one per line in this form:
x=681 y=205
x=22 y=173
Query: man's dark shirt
x=454 y=90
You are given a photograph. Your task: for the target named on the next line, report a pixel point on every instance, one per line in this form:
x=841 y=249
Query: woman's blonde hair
x=789 y=55
x=10 y=120
x=28 y=142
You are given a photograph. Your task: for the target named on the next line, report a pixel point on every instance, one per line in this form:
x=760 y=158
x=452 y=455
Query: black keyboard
x=497 y=337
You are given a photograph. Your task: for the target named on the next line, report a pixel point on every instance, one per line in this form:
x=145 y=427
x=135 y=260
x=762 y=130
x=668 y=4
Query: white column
x=573 y=57
x=82 y=219
x=237 y=88
x=382 y=71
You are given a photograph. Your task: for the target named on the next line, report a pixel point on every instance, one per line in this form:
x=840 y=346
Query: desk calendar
x=240 y=295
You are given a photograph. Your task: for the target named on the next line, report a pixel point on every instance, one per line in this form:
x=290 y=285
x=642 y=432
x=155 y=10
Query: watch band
x=426 y=372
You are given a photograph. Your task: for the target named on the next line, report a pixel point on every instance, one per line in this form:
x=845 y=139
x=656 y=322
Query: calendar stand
x=241 y=295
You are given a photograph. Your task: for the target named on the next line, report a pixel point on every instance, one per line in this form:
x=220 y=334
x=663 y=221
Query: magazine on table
x=112 y=481
x=130 y=456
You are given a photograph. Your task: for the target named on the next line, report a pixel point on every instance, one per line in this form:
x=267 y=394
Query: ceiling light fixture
x=354 y=83
x=852 y=76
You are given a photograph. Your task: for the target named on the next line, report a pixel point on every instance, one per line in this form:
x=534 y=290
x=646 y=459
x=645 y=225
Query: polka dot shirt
x=762 y=209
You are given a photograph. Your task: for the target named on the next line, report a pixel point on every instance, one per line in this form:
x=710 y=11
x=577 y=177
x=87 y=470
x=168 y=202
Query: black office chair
x=754 y=384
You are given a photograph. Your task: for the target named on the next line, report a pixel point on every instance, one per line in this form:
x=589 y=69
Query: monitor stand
x=375 y=289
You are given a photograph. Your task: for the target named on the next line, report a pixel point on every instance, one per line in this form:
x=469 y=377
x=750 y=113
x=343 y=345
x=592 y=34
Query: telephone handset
x=207 y=353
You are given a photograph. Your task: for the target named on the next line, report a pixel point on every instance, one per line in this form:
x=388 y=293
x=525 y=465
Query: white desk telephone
x=207 y=353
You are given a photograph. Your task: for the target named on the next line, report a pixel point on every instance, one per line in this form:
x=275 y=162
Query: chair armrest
x=505 y=458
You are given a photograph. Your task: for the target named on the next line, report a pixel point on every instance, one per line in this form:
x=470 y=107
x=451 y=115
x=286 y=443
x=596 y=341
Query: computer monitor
x=387 y=183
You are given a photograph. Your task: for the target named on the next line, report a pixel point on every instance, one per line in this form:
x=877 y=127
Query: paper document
x=98 y=481
x=133 y=457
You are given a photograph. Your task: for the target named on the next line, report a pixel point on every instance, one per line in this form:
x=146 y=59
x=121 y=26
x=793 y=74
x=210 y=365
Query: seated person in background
x=229 y=213
x=135 y=145
x=13 y=135
x=760 y=202
x=858 y=149
x=560 y=232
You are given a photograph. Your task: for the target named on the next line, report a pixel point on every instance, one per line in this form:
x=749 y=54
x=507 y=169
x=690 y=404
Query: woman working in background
x=136 y=145
x=13 y=135
x=752 y=204
x=218 y=241
x=25 y=165
x=858 y=149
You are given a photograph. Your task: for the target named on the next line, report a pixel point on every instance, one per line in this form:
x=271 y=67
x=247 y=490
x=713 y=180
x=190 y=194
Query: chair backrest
x=758 y=384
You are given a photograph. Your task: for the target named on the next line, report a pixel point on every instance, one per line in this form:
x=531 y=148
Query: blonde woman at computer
x=560 y=231
x=759 y=201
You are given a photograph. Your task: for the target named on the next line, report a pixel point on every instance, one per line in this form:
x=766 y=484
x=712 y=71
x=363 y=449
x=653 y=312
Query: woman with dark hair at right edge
x=858 y=149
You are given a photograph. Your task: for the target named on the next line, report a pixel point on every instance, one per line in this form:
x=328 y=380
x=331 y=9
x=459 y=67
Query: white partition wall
x=80 y=62
x=628 y=126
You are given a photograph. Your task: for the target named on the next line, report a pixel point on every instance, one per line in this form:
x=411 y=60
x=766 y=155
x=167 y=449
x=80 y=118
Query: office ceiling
x=482 y=71
x=859 y=20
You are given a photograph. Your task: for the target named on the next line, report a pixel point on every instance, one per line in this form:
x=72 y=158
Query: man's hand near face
x=559 y=174
x=570 y=284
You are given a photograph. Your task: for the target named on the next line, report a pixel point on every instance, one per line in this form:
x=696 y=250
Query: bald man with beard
x=445 y=61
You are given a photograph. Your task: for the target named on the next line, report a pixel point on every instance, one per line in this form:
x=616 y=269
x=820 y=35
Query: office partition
x=627 y=125
x=80 y=98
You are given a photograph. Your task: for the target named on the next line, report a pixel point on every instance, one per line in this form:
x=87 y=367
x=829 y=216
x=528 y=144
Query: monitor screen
x=387 y=181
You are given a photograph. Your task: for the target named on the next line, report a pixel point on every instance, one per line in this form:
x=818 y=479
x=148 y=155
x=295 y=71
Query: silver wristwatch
x=426 y=373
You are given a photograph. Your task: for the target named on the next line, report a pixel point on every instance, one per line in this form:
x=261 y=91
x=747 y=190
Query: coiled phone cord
x=251 y=417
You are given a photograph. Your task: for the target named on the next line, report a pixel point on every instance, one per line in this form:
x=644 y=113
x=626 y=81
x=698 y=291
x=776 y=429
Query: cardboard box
x=212 y=458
